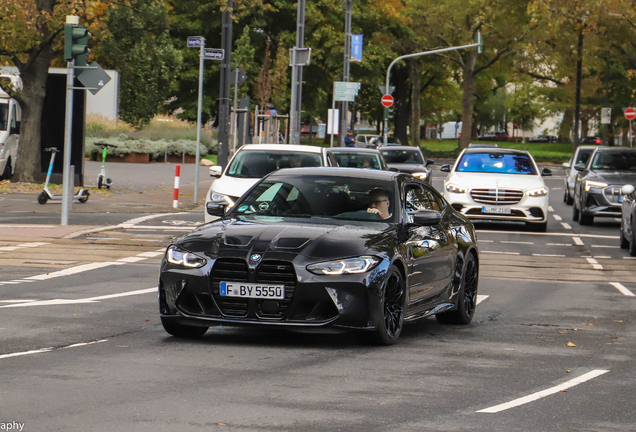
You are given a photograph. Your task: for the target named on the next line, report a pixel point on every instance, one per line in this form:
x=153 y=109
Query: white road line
x=21 y=246
x=606 y=246
x=16 y=301
x=566 y=226
x=500 y=253
x=11 y=282
x=481 y=298
x=578 y=241
x=557 y=217
x=550 y=209
x=131 y=259
x=594 y=263
x=485 y=241
x=56 y=302
x=549 y=255
x=621 y=288
x=517 y=242
x=549 y=234
x=630 y=258
x=538 y=395
x=602 y=257
x=22 y=280
x=49 y=349
x=558 y=244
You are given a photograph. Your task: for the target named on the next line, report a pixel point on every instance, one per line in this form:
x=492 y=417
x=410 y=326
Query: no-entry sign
x=630 y=113
x=387 y=100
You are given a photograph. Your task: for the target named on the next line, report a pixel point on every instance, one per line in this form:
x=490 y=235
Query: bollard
x=175 y=202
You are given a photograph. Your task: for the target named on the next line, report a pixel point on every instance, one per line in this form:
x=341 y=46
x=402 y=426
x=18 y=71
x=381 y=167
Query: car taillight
x=598 y=141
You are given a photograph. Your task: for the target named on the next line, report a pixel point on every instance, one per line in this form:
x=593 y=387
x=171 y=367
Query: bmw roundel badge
x=255 y=257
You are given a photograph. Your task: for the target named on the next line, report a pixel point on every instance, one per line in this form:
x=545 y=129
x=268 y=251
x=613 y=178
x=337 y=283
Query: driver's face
x=381 y=203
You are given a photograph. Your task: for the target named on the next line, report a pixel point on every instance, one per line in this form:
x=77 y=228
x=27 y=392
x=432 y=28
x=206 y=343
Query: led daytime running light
x=187 y=259
x=541 y=192
x=455 y=189
x=344 y=266
x=589 y=184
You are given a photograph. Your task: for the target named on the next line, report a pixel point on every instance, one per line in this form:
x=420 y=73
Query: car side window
x=417 y=198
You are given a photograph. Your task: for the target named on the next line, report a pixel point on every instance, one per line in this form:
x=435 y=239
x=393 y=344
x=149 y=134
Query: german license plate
x=501 y=210
x=252 y=290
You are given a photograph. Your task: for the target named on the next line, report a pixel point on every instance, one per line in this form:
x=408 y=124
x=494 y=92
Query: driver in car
x=379 y=203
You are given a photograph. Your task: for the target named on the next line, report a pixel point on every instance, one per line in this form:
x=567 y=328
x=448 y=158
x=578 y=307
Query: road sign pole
x=224 y=90
x=196 y=168
x=344 y=105
x=68 y=125
x=235 y=123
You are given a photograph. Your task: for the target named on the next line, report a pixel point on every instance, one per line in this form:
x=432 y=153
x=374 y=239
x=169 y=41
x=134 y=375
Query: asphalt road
x=551 y=347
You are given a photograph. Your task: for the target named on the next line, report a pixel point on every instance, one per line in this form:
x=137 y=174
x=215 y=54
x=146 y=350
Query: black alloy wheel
x=6 y=174
x=624 y=241
x=390 y=327
x=182 y=330
x=466 y=297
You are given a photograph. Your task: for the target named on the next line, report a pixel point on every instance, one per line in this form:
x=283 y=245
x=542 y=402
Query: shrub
x=125 y=145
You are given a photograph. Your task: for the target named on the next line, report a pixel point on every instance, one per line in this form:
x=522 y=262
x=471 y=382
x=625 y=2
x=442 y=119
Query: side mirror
x=567 y=164
x=579 y=167
x=426 y=217
x=545 y=172
x=215 y=171
x=429 y=162
x=216 y=208
x=627 y=190
x=445 y=168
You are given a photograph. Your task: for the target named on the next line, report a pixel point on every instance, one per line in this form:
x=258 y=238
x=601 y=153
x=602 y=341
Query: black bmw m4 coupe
x=311 y=248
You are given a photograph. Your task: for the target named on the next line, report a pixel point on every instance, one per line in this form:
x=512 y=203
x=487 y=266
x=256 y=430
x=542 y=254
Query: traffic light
x=516 y=126
x=76 y=40
x=389 y=112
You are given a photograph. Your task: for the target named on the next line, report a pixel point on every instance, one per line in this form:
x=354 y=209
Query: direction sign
x=630 y=113
x=606 y=115
x=387 y=100
x=213 y=54
x=194 y=41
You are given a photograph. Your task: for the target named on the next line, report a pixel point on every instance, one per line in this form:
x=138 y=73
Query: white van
x=451 y=130
x=10 y=117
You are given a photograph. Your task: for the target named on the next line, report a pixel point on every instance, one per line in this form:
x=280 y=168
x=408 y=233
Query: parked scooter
x=102 y=180
x=45 y=195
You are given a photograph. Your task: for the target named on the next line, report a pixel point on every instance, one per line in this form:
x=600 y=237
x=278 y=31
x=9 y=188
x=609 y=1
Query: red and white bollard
x=175 y=202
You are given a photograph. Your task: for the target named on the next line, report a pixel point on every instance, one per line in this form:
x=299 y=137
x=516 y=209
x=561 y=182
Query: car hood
x=284 y=236
x=614 y=177
x=492 y=181
x=232 y=186
x=408 y=168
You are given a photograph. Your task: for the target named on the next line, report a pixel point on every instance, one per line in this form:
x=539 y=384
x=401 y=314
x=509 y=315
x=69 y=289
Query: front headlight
x=420 y=175
x=589 y=184
x=220 y=197
x=345 y=266
x=455 y=189
x=183 y=258
x=541 y=192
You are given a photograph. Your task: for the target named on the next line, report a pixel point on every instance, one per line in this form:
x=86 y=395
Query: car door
x=430 y=249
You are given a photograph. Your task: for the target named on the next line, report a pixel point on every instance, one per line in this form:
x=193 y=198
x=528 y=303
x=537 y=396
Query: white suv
x=498 y=184
x=252 y=162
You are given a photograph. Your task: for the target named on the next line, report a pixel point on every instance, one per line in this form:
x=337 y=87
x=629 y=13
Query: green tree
x=141 y=49
x=280 y=80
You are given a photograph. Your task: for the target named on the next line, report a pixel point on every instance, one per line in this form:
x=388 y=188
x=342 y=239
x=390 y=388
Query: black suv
x=597 y=188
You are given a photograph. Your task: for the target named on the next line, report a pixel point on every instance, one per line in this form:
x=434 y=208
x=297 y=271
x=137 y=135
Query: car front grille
x=496 y=196
x=612 y=194
x=271 y=272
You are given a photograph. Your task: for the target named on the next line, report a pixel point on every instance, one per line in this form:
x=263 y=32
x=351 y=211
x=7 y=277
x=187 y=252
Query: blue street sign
x=213 y=54
x=194 y=41
x=356 y=47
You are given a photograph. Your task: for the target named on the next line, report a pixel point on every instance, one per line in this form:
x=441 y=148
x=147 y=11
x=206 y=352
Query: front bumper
x=191 y=296
x=528 y=209
x=605 y=202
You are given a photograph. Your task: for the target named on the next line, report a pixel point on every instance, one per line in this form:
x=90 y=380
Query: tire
x=586 y=219
x=575 y=212
x=466 y=297
x=624 y=241
x=565 y=195
x=6 y=174
x=108 y=183
x=538 y=227
x=390 y=326
x=84 y=198
x=100 y=181
x=567 y=198
x=43 y=197
x=182 y=330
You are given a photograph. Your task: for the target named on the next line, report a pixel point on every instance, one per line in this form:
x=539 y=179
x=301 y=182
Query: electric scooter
x=102 y=180
x=45 y=195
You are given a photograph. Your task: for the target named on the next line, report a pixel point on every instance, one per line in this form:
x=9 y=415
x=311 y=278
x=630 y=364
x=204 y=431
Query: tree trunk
x=467 y=98
x=401 y=113
x=566 y=125
x=415 y=102
x=31 y=100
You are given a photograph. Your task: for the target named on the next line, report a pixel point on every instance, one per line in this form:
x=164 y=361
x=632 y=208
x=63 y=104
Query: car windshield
x=615 y=160
x=499 y=163
x=259 y=163
x=358 y=160
x=583 y=156
x=402 y=156
x=4 y=116
x=341 y=198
